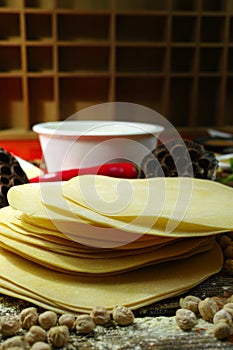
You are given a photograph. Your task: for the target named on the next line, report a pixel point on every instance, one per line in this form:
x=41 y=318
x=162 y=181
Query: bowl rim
x=90 y=128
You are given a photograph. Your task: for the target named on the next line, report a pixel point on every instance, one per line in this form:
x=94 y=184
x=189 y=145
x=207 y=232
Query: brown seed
x=229 y=299
x=47 y=319
x=67 y=320
x=221 y=330
x=186 y=319
x=208 y=308
x=28 y=317
x=224 y=241
x=228 y=266
x=222 y=316
x=84 y=324
x=58 y=335
x=123 y=315
x=35 y=334
x=219 y=301
x=228 y=251
x=229 y=308
x=16 y=341
x=190 y=302
x=101 y=315
x=9 y=325
x=40 y=345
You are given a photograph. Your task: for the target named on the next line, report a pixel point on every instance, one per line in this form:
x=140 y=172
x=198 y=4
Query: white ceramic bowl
x=78 y=143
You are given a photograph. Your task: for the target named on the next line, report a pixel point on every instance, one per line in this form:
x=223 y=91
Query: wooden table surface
x=154 y=326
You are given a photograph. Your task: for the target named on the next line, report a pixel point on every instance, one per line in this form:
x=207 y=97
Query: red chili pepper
x=122 y=170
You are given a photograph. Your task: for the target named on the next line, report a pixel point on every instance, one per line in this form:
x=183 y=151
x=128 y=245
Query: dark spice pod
x=11 y=174
x=180 y=158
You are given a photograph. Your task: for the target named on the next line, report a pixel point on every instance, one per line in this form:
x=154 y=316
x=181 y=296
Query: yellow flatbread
x=77 y=220
x=102 y=241
x=61 y=261
x=171 y=198
x=74 y=249
x=134 y=289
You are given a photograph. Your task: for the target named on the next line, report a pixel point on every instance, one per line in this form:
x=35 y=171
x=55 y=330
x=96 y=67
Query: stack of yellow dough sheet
x=95 y=240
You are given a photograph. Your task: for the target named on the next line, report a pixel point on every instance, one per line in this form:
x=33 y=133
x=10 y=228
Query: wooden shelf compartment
x=141 y=5
x=81 y=92
x=150 y=92
x=40 y=59
x=78 y=27
x=230 y=60
x=91 y=5
x=209 y=90
x=229 y=6
x=39 y=4
x=231 y=30
x=10 y=27
x=146 y=60
x=12 y=4
x=211 y=60
x=215 y=5
x=38 y=26
x=180 y=100
x=10 y=59
x=83 y=59
x=184 y=5
x=183 y=59
x=229 y=101
x=12 y=104
x=42 y=101
x=212 y=29
x=184 y=29
x=60 y=56
x=142 y=28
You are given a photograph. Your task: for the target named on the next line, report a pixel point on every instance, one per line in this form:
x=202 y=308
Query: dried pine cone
x=11 y=174
x=180 y=158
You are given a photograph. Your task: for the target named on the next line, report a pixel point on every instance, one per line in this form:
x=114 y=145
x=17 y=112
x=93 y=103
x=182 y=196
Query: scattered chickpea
x=67 y=320
x=229 y=308
x=219 y=301
x=228 y=251
x=207 y=309
x=221 y=330
x=40 y=345
x=28 y=317
x=190 y=302
x=186 y=319
x=222 y=316
x=218 y=310
x=35 y=334
x=16 y=341
x=84 y=324
x=224 y=241
x=230 y=299
x=123 y=315
x=47 y=319
x=100 y=315
x=58 y=336
x=9 y=325
x=228 y=266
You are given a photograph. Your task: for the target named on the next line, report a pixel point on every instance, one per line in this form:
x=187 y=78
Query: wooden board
x=154 y=326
